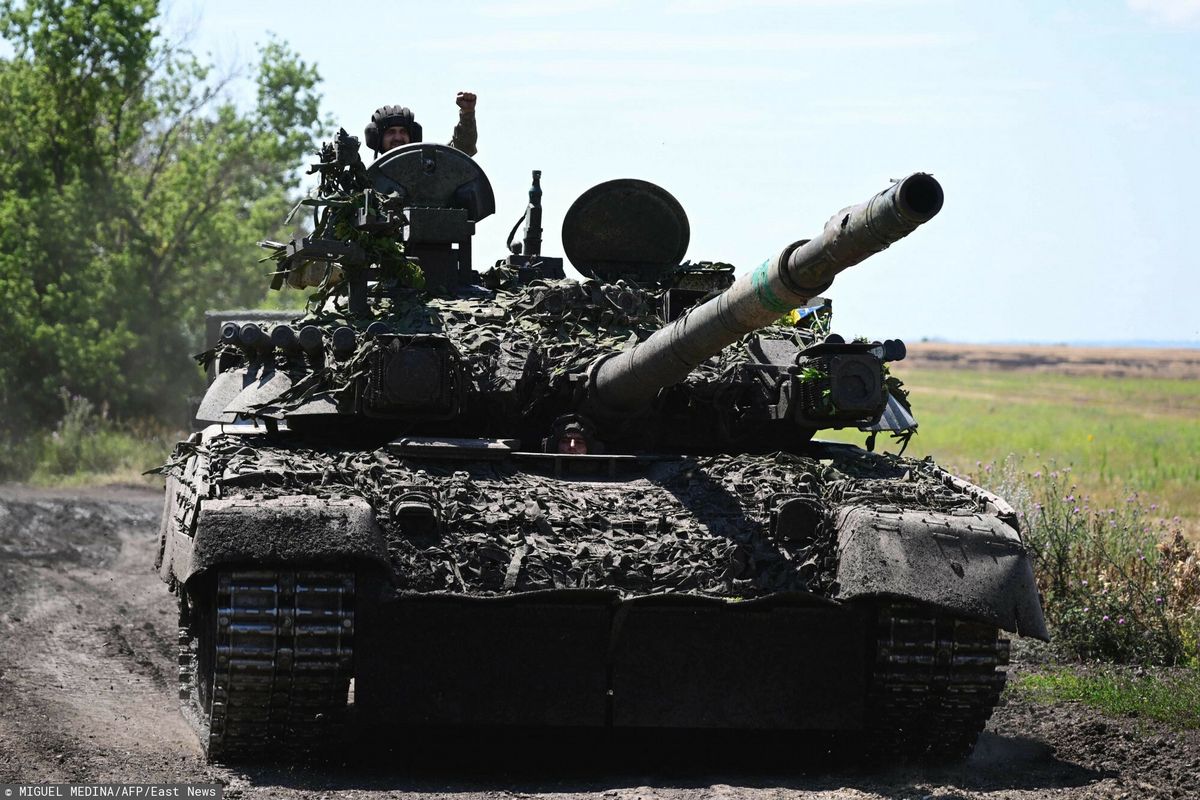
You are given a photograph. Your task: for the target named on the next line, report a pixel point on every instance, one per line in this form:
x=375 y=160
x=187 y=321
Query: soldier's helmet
x=389 y=116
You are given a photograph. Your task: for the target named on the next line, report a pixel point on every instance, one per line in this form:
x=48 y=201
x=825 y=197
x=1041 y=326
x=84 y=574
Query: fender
x=969 y=564
x=281 y=530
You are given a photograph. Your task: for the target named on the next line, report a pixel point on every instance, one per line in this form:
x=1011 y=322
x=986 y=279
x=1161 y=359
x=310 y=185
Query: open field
x=1130 y=426
x=1104 y=362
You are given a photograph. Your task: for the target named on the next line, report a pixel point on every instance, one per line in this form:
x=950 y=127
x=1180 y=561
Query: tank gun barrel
x=631 y=379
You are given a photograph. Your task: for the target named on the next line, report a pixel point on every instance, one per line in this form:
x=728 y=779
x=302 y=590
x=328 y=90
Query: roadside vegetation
x=1120 y=584
x=133 y=188
x=1170 y=697
x=88 y=447
x=1121 y=590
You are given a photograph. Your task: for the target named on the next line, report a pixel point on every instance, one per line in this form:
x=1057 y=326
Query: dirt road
x=87 y=694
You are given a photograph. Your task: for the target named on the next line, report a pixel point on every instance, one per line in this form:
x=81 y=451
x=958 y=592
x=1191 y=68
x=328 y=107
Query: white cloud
x=1172 y=12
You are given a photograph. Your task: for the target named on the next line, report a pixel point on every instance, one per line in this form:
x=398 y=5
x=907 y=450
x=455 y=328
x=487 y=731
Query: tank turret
x=628 y=380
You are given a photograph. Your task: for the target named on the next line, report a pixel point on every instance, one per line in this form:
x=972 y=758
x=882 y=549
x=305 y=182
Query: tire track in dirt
x=88 y=645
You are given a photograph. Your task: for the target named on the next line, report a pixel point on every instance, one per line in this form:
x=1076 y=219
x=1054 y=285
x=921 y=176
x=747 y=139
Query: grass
x=1117 y=584
x=119 y=458
x=1172 y=697
x=87 y=448
x=1120 y=435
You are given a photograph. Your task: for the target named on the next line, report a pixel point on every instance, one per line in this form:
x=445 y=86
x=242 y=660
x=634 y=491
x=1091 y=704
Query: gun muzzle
x=631 y=379
x=808 y=267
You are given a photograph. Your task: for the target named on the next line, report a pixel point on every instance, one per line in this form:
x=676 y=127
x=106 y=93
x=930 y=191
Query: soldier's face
x=394 y=137
x=572 y=443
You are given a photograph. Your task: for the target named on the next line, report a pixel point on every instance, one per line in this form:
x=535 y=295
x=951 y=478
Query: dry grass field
x=1100 y=362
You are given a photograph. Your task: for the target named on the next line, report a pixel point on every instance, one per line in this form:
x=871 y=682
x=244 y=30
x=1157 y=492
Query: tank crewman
x=393 y=126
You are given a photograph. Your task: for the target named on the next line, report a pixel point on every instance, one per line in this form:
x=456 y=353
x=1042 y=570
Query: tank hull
x=559 y=661
x=268 y=673
x=861 y=617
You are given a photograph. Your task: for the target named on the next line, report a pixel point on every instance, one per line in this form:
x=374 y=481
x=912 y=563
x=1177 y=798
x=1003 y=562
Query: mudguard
x=302 y=529
x=967 y=564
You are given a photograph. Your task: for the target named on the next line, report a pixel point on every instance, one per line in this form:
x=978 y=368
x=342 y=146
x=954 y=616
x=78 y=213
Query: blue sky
x=1065 y=135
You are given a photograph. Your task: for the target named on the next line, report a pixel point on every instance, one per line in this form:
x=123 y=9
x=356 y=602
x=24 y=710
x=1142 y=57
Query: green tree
x=132 y=190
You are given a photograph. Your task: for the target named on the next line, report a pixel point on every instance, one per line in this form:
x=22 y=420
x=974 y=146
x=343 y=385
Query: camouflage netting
x=696 y=525
x=554 y=329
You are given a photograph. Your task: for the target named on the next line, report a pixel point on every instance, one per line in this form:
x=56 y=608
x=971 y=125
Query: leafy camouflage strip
x=699 y=525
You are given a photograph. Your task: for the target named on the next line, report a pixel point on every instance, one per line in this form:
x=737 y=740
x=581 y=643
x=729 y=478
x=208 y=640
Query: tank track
x=935 y=681
x=266 y=661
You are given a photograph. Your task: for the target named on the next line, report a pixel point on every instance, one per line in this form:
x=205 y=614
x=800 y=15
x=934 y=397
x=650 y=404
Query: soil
x=1112 y=362
x=88 y=694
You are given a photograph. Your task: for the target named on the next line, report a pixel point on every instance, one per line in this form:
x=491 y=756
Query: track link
x=935 y=681
x=266 y=662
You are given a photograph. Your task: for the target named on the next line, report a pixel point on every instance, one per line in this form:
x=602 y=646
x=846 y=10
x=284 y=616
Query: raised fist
x=466 y=101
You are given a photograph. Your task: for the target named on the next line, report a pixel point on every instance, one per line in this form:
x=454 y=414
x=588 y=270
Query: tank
x=445 y=499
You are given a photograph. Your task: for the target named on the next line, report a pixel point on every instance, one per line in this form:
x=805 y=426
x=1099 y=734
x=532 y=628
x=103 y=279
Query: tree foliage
x=132 y=190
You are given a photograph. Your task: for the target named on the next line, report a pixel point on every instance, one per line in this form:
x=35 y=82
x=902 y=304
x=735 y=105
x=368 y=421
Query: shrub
x=86 y=445
x=1120 y=583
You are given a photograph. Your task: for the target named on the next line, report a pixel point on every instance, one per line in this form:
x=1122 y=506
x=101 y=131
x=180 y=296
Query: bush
x=133 y=186
x=86 y=446
x=18 y=456
x=1119 y=584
